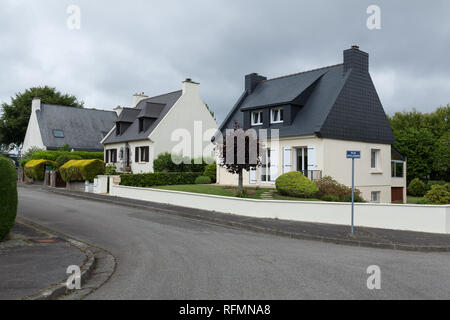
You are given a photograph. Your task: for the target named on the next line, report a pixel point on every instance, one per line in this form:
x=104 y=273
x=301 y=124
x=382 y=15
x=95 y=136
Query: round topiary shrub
x=417 y=188
x=203 y=180
x=210 y=171
x=438 y=194
x=295 y=184
x=8 y=196
x=66 y=157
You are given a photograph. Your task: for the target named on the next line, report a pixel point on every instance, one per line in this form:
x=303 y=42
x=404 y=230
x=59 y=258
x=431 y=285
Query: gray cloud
x=151 y=46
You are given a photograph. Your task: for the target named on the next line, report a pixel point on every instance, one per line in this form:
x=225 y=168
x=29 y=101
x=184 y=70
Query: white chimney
x=190 y=87
x=118 y=110
x=35 y=104
x=138 y=97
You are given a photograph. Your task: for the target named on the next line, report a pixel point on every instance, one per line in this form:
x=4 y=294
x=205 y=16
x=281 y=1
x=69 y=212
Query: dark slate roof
x=342 y=105
x=151 y=110
x=128 y=115
x=83 y=128
x=153 y=107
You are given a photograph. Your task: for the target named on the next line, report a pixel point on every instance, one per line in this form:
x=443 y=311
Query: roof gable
x=82 y=128
x=155 y=107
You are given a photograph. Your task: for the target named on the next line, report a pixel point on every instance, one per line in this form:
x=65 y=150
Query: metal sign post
x=353 y=155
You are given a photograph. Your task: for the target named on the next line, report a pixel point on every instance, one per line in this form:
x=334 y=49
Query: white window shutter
x=312 y=158
x=273 y=164
x=287 y=164
x=252 y=176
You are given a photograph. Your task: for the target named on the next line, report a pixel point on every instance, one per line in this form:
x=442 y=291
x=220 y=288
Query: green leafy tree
x=424 y=139
x=15 y=115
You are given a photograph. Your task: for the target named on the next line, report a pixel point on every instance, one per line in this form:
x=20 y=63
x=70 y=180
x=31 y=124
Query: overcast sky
x=151 y=46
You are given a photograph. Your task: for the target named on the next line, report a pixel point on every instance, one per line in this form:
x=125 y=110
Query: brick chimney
x=356 y=60
x=252 y=80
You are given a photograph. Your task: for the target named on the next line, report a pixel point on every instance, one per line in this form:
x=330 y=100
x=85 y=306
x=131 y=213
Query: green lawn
x=253 y=193
x=414 y=200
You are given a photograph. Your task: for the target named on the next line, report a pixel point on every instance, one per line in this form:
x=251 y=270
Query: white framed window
x=375 y=196
x=257 y=118
x=276 y=115
x=374 y=159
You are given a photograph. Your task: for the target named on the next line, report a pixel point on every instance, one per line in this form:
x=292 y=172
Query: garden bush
x=110 y=170
x=328 y=186
x=432 y=183
x=165 y=163
x=295 y=184
x=203 y=180
x=211 y=171
x=36 y=168
x=8 y=196
x=81 y=170
x=158 y=179
x=417 y=188
x=439 y=194
x=62 y=159
x=54 y=154
x=330 y=198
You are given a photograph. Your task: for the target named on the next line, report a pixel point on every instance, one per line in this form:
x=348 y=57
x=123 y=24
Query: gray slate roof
x=155 y=107
x=342 y=105
x=83 y=128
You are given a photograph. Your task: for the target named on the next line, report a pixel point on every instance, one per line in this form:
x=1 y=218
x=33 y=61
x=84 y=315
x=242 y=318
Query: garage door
x=397 y=194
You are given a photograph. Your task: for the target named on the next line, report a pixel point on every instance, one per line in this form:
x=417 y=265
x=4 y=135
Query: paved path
x=161 y=256
x=27 y=266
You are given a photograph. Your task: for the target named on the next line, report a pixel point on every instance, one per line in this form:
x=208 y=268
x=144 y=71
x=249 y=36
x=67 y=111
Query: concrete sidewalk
x=368 y=237
x=31 y=261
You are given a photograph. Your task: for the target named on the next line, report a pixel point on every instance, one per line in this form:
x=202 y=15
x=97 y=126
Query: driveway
x=162 y=256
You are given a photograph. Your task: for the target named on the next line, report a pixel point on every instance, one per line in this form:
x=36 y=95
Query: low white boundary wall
x=422 y=218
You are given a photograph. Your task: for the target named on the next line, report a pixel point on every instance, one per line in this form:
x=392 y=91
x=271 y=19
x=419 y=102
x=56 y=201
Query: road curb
x=211 y=219
x=60 y=289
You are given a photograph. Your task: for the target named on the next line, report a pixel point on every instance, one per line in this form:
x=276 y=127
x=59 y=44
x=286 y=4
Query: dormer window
x=257 y=118
x=141 y=124
x=276 y=115
x=117 y=128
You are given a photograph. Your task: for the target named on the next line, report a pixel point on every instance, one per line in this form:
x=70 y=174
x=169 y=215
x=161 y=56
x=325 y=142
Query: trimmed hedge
x=158 y=179
x=295 y=184
x=164 y=163
x=36 y=168
x=81 y=170
x=211 y=171
x=62 y=159
x=8 y=196
x=203 y=180
x=54 y=154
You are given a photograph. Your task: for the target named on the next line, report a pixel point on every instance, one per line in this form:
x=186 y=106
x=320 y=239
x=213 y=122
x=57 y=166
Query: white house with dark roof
x=320 y=114
x=51 y=127
x=175 y=122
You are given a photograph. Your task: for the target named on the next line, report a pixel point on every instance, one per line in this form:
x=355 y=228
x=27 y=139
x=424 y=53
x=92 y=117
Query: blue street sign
x=353 y=154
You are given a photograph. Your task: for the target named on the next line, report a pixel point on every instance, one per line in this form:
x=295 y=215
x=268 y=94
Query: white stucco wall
x=140 y=167
x=421 y=218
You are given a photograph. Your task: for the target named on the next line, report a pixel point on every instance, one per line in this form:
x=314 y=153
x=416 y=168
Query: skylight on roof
x=58 y=133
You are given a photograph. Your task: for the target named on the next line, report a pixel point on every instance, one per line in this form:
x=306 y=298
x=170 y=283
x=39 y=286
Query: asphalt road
x=162 y=256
